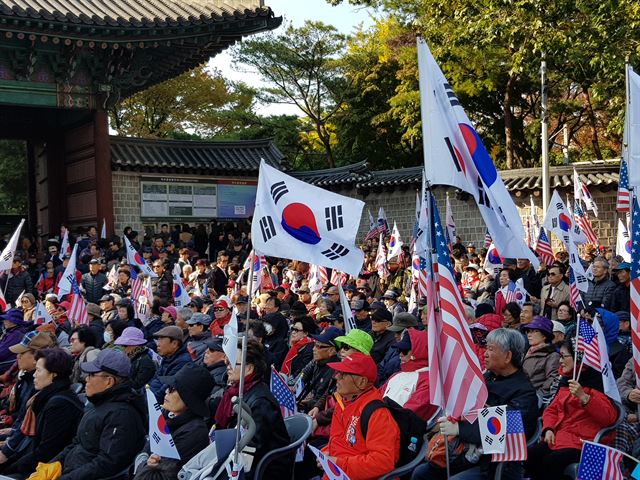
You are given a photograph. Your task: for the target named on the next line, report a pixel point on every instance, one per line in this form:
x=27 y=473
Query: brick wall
x=126 y=201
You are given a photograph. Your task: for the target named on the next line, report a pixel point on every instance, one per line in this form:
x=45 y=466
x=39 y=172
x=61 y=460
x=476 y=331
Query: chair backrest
x=299 y=428
x=619 y=419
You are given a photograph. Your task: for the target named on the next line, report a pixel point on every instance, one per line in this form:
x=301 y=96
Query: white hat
x=558 y=327
x=315 y=297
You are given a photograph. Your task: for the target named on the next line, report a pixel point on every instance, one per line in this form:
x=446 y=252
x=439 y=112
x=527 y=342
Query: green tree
x=302 y=67
x=13 y=177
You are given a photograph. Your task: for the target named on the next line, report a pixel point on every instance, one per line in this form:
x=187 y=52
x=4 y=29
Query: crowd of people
x=72 y=399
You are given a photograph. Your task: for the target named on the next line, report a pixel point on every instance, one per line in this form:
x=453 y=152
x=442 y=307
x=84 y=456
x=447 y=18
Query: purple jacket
x=9 y=338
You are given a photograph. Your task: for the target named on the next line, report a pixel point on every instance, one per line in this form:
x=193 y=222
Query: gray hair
x=470 y=313
x=185 y=314
x=509 y=340
x=601 y=260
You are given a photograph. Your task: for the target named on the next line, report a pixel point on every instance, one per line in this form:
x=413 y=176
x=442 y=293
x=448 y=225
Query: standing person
x=112 y=433
x=554 y=292
x=218 y=278
x=93 y=283
x=53 y=413
x=383 y=338
x=622 y=293
x=163 y=283
x=16 y=281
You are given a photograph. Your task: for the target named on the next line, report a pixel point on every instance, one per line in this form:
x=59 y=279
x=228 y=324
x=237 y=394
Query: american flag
x=381 y=259
x=583 y=222
x=588 y=343
x=457 y=383
x=510 y=293
x=136 y=288
x=282 y=394
x=338 y=278
x=622 y=201
x=635 y=287
x=421 y=264
x=78 y=310
x=599 y=462
x=487 y=239
x=574 y=294
x=516 y=441
x=543 y=248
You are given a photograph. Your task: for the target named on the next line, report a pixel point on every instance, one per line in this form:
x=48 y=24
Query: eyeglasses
x=219 y=309
x=297 y=330
x=104 y=375
x=565 y=355
x=552 y=274
x=157 y=266
x=320 y=346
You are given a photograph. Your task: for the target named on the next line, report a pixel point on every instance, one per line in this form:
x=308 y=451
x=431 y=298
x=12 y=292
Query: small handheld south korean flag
x=306 y=222
x=42 y=315
x=332 y=471
x=395 y=243
x=347 y=313
x=493 y=428
x=230 y=342
x=134 y=258
x=160 y=439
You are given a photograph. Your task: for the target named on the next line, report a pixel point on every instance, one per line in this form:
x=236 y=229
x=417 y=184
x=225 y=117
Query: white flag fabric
x=493 y=261
x=347 y=313
x=112 y=279
x=395 y=243
x=534 y=222
x=582 y=280
x=230 y=342
x=383 y=225
x=144 y=302
x=455 y=155
x=623 y=241
x=303 y=222
x=65 y=248
x=493 y=428
x=451 y=224
x=103 y=232
x=381 y=259
x=177 y=270
x=581 y=192
x=180 y=296
x=69 y=276
x=560 y=221
x=42 y=315
x=423 y=222
x=315 y=282
x=608 y=380
x=134 y=258
x=6 y=260
x=331 y=470
x=633 y=134
x=160 y=440
x=255 y=263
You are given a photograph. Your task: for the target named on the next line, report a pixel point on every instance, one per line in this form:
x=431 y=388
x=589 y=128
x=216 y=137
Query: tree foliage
x=13 y=177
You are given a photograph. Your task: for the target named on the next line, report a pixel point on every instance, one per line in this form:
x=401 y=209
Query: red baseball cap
x=223 y=301
x=171 y=310
x=358 y=364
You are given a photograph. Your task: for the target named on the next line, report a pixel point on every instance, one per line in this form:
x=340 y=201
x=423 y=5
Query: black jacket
x=599 y=294
x=381 y=344
x=621 y=298
x=218 y=281
x=15 y=285
x=163 y=286
x=276 y=343
x=218 y=373
x=318 y=382
x=93 y=286
x=58 y=412
x=97 y=328
x=143 y=369
x=301 y=360
x=109 y=436
x=271 y=432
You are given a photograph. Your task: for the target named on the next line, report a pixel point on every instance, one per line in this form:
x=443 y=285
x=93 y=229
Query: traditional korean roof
x=188 y=157
x=600 y=173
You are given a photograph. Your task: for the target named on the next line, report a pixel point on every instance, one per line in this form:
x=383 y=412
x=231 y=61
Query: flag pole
x=545 y=136
x=575 y=348
x=249 y=290
x=243 y=361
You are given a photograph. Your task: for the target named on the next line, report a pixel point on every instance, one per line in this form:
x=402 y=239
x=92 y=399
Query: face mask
x=107 y=337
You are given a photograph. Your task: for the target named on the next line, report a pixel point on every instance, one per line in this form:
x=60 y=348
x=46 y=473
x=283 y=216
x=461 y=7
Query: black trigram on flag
x=484 y=413
x=155 y=437
x=171 y=442
x=499 y=411
x=488 y=439
x=501 y=439
x=156 y=407
x=333 y=216
x=452 y=151
x=267 y=228
x=335 y=251
x=453 y=100
x=581 y=279
x=278 y=190
x=7 y=256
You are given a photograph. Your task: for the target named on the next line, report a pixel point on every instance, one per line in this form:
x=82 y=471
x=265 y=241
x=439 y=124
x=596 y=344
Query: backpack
x=412 y=427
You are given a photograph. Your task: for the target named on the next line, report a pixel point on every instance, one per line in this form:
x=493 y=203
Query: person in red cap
x=360 y=458
x=221 y=315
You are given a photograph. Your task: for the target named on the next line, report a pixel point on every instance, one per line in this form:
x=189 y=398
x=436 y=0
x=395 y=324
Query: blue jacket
x=169 y=367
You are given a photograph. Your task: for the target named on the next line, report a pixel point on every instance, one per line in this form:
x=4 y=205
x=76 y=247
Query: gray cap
x=110 y=361
x=172 y=332
x=200 y=318
x=402 y=321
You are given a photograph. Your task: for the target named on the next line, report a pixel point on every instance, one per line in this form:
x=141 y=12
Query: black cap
x=215 y=344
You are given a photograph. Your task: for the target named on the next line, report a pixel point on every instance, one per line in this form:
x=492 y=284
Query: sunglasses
x=219 y=309
x=297 y=330
x=319 y=346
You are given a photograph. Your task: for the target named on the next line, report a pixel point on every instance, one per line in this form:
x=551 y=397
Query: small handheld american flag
x=588 y=343
x=516 y=441
x=282 y=394
x=599 y=462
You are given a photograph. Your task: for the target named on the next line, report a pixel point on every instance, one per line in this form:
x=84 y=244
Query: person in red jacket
x=360 y=458
x=578 y=411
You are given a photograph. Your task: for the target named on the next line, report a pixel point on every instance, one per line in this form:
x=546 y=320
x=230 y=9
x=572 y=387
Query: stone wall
x=126 y=201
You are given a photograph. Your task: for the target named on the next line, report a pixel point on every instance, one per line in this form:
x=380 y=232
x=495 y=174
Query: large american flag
x=583 y=222
x=588 y=343
x=516 y=441
x=282 y=394
x=622 y=200
x=338 y=278
x=457 y=383
x=599 y=462
x=543 y=248
x=78 y=310
x=635 y=287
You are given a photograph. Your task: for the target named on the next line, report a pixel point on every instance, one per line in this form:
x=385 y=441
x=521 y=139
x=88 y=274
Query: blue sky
x=344 y=17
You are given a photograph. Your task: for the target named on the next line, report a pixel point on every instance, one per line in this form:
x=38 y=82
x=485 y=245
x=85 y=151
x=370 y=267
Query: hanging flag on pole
x=543 y=248
x=42 y=315
x=487 y=240
x=307 y=222
x=381 y=259
x=255 y=269
x=581 y=192
x=77 y=312
x=558 y=220
x=533 y=219
x=103 y=232
x=493 y=261
x=623 y=241
x=600 y=462
x=315 y=278
x=622 y=198
x=284 y=396
x=373 y=227
x=180 y=296
x=633 y=129
x=160 y=441
x=6 y=259
x=395 y=243
x=575 y=299
x=135 y=259
x=65 y=247
x=65 y=285
x=451 y=224
x=455 y=155
x=414 y=231
x=455 y=378
x=230 y=342
x=582 y=219
x=347 y=313
x=635 y=291
x=383 y=225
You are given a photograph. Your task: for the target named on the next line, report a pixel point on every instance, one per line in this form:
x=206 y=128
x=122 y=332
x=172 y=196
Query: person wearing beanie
x=301 y=351
x=541 y=360
x=409 y=387
x=383 y=338
x=624 y=334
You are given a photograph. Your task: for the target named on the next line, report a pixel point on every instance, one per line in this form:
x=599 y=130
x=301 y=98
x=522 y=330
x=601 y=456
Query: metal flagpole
x=249 y=290
x=545 y=137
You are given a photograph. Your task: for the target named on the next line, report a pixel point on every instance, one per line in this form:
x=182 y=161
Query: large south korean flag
x=296 y=220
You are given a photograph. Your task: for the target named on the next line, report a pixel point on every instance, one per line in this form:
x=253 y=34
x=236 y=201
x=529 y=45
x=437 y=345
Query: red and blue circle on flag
x=565 y=222
x=494 y=425
x=299 y=221
x=162 y=425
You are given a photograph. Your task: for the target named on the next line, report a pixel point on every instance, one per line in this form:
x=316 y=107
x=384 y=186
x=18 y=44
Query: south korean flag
x=560 y=221
x=296 y=220
x=160 y=441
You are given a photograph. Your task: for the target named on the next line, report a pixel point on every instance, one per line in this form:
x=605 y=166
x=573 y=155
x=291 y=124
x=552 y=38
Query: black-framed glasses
x=293 y=329
x=320 y=346
x=219 y=309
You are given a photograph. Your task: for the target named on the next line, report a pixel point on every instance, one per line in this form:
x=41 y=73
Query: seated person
x=112 y=433
x=361 y=458
x=541 y=360
x=507 y=385
x=409 y=387
x=579 y=410
x=271 y=432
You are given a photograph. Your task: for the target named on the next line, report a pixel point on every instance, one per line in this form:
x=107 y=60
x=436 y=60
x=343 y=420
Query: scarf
x=533 y=349
x=135 y=351
x=224 y=413
x=28 y=427
x=293 y=353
